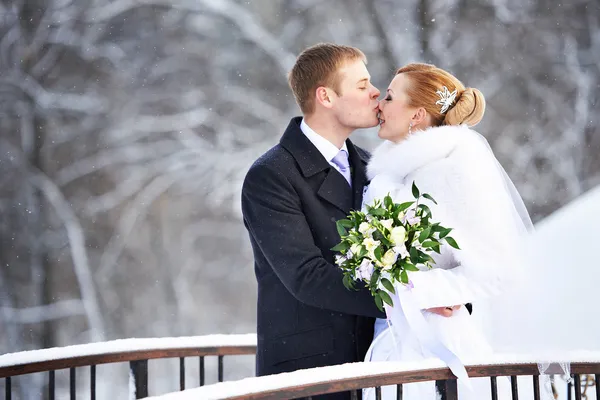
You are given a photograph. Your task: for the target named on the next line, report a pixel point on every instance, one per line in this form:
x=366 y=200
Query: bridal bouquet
x=381 y=246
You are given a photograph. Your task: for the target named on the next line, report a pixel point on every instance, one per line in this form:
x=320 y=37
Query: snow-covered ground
x=126 y=345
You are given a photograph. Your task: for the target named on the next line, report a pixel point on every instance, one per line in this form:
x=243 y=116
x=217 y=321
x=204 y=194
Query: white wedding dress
x=456 y=167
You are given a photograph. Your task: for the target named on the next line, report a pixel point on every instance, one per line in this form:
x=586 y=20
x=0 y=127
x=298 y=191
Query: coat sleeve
x=479 y=210
x=274 y=218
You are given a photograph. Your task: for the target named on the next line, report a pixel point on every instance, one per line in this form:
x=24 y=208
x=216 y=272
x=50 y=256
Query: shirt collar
x=325 y=147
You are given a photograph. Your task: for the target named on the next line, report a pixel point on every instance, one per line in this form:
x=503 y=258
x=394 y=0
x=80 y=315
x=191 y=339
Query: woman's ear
x=419 y=116
x=324 y=97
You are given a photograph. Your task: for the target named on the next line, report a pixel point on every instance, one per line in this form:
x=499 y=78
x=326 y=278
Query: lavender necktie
x=341 y=160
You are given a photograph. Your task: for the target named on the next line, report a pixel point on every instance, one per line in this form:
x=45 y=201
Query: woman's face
x=395 y=114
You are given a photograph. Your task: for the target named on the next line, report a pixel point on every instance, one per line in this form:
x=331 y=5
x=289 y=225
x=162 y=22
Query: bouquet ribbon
x=406 y=309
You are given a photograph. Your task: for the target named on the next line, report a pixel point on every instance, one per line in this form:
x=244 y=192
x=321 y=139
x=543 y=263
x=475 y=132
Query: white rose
x=366 y=229
x=401 y=250
x=389 y=258
x=339 y=260
x=370 y=245
x=355 y=249
x=387 y=223
x=398 y=235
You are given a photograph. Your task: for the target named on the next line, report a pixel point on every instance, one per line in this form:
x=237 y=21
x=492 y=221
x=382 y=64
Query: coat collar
x=311 y=162
x=420 y=149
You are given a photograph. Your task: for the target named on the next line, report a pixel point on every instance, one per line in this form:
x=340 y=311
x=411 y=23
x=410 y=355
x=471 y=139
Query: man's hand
x=444 y=311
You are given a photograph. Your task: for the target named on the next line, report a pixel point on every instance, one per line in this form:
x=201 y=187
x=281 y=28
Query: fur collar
x=419 y=149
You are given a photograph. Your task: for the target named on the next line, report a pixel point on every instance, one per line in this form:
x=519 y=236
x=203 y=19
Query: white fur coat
x=457 y=168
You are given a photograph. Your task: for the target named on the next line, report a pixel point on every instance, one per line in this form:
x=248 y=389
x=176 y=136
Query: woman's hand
x=444 y=311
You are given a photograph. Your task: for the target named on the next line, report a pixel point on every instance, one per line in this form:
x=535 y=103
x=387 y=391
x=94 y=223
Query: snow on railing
x=145 y=348
x=356 y=376
x=135 y=351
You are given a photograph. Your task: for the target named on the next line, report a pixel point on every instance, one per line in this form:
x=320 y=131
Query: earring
x=410 y=128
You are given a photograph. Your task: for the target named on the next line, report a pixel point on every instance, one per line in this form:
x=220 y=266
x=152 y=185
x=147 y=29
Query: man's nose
x=376 y=93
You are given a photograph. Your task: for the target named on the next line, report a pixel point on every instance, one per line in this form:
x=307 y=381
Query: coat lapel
x=333 y=188
x=358 y=163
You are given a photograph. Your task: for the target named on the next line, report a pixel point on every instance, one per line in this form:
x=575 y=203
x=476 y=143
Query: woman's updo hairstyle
x=426 y=80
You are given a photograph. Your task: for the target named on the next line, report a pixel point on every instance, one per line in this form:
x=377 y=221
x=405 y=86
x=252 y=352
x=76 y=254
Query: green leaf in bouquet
x=450 y=240
x=404 y=206
x=425 y=234
x=378 y=253
x=363 y=252
x=436 y=227
x=378 y=302
x=346 y=223
x=386 y=297
x=341 y=230
x=404 y=277
x=378 y=212
x=414 y=255
x=430 y=243
x=388 y=285
x=425 y=211
x=340 y=247
x=388 y=202
x=436 y=248
x=410 y=267
x=355 y=239
x=424 y=257
x=428 y=197
x=348 y=282
x=374 y=279
x=386 y=241
x=415 y=190
x=445 y=232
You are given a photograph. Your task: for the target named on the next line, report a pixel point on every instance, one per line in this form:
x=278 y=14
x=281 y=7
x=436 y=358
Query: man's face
x=356 y=106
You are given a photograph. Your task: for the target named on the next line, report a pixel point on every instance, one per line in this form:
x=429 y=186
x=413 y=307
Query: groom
x=291 y=197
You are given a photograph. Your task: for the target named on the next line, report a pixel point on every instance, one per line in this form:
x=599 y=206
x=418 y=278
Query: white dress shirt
x=325 y=147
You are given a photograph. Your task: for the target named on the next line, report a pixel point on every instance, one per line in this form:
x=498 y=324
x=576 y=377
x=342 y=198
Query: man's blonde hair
x=317 y=66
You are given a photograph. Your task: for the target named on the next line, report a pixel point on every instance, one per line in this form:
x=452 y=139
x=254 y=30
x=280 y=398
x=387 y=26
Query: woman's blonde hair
x=426 y=79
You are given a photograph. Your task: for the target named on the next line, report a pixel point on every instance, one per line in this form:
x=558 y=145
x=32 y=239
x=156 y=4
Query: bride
x=425 y=119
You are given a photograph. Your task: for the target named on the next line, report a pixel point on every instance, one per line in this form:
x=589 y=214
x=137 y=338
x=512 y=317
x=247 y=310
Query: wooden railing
x=299 y=384
x=355 y=377
x=135 y=351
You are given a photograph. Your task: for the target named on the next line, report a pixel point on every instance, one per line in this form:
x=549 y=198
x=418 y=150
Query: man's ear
x=324 y=96
x=419 y=116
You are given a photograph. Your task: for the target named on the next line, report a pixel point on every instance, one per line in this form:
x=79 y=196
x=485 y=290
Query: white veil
x=514 y=324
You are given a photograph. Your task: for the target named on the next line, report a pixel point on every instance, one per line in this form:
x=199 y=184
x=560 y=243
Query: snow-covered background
x=126 y=128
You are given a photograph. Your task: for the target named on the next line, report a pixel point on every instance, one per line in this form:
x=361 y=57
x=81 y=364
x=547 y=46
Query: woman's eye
x=388 y=98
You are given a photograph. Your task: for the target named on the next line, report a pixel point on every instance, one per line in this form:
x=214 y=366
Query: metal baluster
x=72 y=383
x=354 y=395
x=448 y=389
x=93 y=382
x=536 y=387
x=51 y=385
x=181 y=373
x=378 y=393
x=514 y=387
x=494 y=387
x=7 y=388
x=597 y=382
x=220 y=368
x=202 y=371
x=577 y=387
x=139 y=370
x=569 y=391
x=399 y=391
